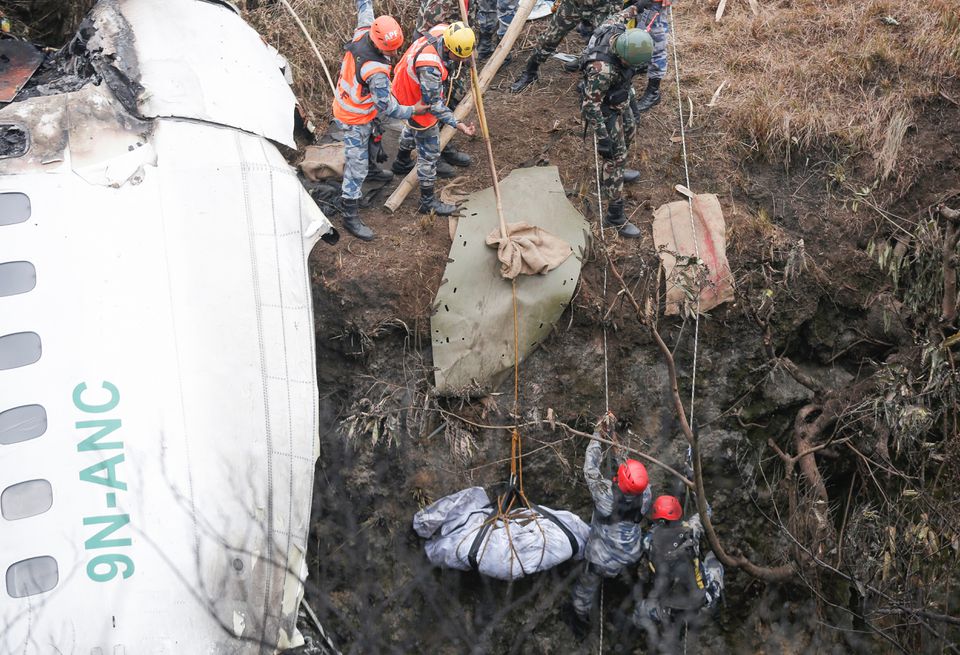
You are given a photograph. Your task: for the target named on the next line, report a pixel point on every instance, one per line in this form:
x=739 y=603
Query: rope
x=600 y=649
x=606 y=375
x=693 y=226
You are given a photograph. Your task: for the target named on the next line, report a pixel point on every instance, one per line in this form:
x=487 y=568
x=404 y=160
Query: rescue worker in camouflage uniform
x=656 y=16
x=363 y=93
x=615 y=541
x=567 y=16
x=493 y=19
x=447 y=12
x=685 y=590
x=419 y=77
x=613 y=56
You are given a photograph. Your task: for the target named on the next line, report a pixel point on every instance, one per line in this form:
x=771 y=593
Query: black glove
x=605 y=148
x=377 y=153
x=643 y=5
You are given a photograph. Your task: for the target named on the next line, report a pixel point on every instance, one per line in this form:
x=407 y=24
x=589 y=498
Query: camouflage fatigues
x=615 y=541
x=495 y=15
x=659 y=31
x=427 y=142
x=566 y=18
x=356 y=138
x=605 y=104
x=434 y=12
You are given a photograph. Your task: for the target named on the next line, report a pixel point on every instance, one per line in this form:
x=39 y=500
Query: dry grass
x=809 y=77
x=804 y=77
x=50 y=22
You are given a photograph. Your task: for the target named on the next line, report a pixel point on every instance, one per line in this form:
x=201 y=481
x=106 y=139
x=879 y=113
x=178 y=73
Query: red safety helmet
x=667 y=507
x=631 y=477
x=386 y=34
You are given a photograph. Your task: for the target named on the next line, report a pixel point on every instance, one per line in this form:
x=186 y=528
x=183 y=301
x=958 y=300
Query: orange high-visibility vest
x=353 y=103
x=423 y=52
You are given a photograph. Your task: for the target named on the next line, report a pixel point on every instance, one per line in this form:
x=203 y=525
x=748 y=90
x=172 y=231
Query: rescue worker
x=493 y=19
x=419 y=77
x=363 y=94
x=567 y=16
x=612 y=58
x=685 y=588
x=447 y=12
x=615 y=540
x=656 y=16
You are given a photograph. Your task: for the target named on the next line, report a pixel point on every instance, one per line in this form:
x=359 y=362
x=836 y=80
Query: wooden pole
x=464 y=108
x=484 y=131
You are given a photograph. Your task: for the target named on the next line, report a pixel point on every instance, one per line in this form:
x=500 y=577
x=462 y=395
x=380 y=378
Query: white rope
x=600 y=649
x=693 y=227
x=606 y=384
x=606 y=381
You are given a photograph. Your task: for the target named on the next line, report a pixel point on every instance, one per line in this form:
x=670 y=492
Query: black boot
x=650 y=97
x=403 y=164
x=429 y=203
x=615 y=218
x=445 y=170
x=579 y=625
x=377 y=174
x=630 y=176
x=351 y=219
x=530 y=74
x=485 y=46
x=585 y=30
x=455 y=157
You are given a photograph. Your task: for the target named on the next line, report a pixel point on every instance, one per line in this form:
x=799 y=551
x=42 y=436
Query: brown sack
x=323 y=162
x=673 y=235
x=528 y=250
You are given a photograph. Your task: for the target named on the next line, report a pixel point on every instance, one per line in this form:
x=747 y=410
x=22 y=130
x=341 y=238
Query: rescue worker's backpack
x=626 y=508
x=674 y=557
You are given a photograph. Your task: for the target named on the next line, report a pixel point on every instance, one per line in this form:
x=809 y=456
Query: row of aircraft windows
x=35 y=575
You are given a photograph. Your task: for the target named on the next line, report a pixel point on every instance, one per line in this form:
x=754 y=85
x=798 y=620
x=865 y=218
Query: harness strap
x=574 y=546
x=478 y=540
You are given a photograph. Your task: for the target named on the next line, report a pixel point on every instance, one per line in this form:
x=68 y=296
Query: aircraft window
x=22 y=424
x=32 y=576
x=25 y=499
x=14 y=208
x=19 y=349
x=17 y=277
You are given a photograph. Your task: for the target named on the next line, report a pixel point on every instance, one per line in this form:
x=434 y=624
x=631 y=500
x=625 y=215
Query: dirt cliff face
x=833 y=316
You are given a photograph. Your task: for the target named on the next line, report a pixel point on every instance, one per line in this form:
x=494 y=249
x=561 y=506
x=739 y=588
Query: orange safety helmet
x=386 y=34
x=668 y=508
x=631 y=477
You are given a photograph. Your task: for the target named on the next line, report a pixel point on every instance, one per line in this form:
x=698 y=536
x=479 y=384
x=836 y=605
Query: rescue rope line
x=606 y=375
x=600 y=649
x=693 y=226
x=603 y=240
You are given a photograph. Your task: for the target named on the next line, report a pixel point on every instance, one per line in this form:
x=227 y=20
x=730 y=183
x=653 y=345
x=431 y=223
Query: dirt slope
x=821 y=181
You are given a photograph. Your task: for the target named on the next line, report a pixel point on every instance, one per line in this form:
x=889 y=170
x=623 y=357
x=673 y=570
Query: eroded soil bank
x=821 y=301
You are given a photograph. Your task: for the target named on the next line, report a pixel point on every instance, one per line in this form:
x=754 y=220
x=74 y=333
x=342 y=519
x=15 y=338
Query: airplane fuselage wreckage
x=158 y=394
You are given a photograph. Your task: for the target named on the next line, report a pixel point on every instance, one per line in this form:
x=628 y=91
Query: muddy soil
x=370 y=582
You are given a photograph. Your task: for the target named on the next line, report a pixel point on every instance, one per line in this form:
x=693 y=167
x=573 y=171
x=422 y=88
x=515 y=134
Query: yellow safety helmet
x=459 y=39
